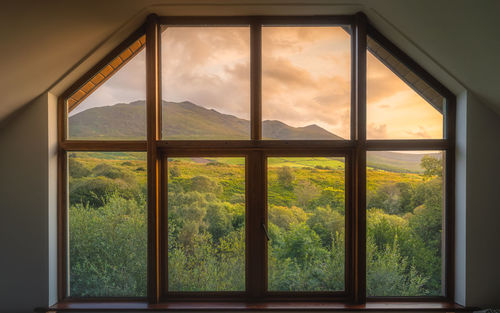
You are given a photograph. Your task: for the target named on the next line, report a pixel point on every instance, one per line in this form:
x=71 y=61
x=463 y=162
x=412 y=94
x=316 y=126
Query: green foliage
x=209 y=266
x=314 y=268
x=108 y=249
x=174 y=171
x=77 y=169
x=432 y=166
x=113 y=172
x=95 y=191
x=206 y=230
x=219 y=220
x=326 y=222
x=330 y=197
x=284 y=217
x=285 y=176
x=306 y=192
x=204 y=184
x=392 y=198
x=390 y=274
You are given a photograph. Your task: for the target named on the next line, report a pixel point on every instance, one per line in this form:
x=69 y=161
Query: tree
x=284 y=217
x=219 y=220
x=285 y=176
x=432 y=166
x=390 y=274
x=174 y=172
x=77 y=169
x=108 y=249
x=306 y=191
x=204 y=184
x=392 y=198
x=326 y=223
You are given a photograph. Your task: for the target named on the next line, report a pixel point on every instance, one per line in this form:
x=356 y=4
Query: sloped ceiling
x=46 y=45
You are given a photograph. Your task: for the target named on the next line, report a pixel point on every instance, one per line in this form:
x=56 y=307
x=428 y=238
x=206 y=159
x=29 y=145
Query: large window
x=256 y=158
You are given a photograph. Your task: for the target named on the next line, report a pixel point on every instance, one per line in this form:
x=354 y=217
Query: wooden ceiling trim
x=105 y=73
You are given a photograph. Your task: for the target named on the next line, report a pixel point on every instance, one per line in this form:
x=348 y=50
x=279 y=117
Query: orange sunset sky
x=306 y=74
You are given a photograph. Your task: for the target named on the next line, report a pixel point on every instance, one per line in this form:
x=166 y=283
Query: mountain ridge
x=182 y=120
x=188 y=121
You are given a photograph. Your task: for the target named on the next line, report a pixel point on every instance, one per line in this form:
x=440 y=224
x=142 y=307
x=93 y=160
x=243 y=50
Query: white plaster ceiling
x=47 y=45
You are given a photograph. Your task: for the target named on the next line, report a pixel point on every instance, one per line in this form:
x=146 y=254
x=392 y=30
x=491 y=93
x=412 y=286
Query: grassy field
x=206 y=202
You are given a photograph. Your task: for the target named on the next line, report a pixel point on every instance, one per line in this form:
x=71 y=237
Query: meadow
x=206 y=213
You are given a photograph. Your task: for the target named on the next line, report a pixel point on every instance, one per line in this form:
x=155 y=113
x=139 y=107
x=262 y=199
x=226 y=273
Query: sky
x=306 y=79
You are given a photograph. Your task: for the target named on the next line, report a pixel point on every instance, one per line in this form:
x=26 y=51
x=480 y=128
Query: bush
x=107 y=245
x=112 y=172
x=77 y=169
x=204 y=184
x=174 y=171
x=285 y=176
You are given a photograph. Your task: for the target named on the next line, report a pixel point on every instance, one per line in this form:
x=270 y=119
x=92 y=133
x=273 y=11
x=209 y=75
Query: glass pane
x=405 y=223
x=206 y=224
x=400 y=105
x=306 y=83
x=306 y=223
x=107 y=224
x=112 y=105
x=206 y=83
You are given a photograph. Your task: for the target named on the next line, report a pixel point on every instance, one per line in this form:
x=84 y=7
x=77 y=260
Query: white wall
x=24 y=207
x=483 y=205
x=461 y=199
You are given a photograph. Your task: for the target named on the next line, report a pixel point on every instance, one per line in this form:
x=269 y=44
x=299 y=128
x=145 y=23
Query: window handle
x=265 y=230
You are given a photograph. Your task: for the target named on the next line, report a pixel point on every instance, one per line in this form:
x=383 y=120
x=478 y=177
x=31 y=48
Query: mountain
x=181 y=120
x=280 y=130
x=397 y=161
x=186 y=120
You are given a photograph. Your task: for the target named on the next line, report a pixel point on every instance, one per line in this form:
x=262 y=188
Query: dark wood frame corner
x=255 y=150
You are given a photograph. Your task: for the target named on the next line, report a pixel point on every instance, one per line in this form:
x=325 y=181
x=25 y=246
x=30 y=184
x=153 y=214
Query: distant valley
x=186 y=120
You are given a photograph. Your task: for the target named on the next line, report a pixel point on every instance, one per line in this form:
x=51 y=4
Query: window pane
x=306 y=83
x=306 y=223
x=107 y=224
x=112 y=105
x=400 y=105
x=206 y=83
x=206 y=224
x=405 y=223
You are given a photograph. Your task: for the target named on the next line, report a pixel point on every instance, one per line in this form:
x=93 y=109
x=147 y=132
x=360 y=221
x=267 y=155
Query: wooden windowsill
x=253 y=306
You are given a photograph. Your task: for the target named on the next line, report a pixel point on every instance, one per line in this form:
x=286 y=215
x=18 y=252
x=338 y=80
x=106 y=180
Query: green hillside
x=186 y=120
x=397 y=161
x=181 y=120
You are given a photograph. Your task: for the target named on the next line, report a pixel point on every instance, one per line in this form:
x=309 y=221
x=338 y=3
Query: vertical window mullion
x=153 y=133
x=256 y=80
x=256 y=269
x=360 y=162
x=256 y=274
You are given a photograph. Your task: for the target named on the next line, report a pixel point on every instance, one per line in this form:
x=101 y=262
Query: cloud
x=375 y=131
x=306 y=80
x=421 y=133
x=306 y=77
x=381 y=81
x=208 y=66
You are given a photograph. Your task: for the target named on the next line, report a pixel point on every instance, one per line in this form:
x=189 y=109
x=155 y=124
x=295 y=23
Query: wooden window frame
x=256 y=150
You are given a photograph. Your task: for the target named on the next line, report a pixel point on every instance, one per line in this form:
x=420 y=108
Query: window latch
x=265 y=230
